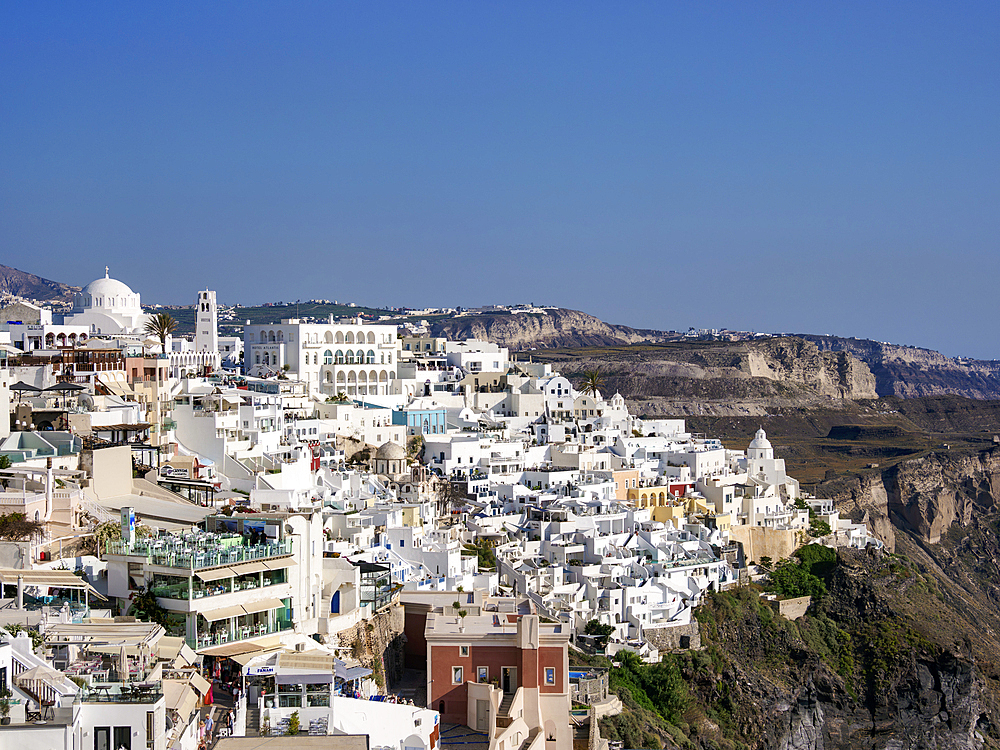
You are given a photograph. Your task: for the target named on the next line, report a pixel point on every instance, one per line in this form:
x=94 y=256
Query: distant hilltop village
x=274 y=533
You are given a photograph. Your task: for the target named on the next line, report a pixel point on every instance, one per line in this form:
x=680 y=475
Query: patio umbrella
x=22 y=387
x=65 y=388
x=40 y=672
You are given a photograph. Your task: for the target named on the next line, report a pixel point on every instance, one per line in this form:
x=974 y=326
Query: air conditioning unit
x=300 y=647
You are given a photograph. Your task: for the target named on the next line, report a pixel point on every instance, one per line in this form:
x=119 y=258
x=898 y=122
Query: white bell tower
x=206 y=332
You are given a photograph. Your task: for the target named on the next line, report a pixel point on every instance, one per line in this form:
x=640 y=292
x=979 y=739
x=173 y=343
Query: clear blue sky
x=810 y=167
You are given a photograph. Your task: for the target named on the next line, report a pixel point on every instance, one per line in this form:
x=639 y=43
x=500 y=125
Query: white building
x=107 y=307
x=351 y=357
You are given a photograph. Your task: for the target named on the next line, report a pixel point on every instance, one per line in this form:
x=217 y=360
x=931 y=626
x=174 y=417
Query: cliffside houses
x=279 y=522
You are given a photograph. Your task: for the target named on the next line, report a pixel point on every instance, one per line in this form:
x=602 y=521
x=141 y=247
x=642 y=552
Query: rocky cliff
x=32 y=287
x=910 y=371
x=552 y=328
x=721 y=378
x=922 y=496
x=869 y=666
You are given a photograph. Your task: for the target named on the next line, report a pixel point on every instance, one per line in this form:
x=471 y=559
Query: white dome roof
x=107 y=287
x=760 y=440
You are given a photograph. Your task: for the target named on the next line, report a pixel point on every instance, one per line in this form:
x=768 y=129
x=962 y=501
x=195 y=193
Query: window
x=550 y=675
x=463 y=650
x=456 y=675
x=482 y=674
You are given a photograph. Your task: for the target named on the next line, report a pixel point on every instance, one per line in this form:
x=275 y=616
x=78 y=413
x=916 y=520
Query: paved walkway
x=413 y=686
x=460 y=737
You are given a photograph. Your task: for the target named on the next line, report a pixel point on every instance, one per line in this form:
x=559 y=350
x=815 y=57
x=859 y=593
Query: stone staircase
x=253 y=721
x=503 y=712
x=505 y=704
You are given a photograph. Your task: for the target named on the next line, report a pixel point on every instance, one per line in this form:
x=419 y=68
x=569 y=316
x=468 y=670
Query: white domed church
x=108 y=307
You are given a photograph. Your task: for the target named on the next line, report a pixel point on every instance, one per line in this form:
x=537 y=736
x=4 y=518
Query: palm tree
x=592 y=382
x=161 y=325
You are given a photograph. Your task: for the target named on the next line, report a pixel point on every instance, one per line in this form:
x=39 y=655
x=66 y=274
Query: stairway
x=531 y=736
x=253 y=721
x=504 y=710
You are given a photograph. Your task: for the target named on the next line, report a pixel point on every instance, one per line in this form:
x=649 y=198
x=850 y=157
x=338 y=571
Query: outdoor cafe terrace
x=198 y=550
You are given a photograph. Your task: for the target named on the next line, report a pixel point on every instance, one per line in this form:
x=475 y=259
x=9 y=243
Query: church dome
x=107 y=293
x=390 y=452
x=760 y=441
x=107 y=287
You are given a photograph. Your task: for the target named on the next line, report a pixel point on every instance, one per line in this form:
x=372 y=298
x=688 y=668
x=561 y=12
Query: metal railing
x=195 y=556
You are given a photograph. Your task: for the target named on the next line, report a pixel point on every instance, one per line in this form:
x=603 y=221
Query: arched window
x=371 y=357
x=315 y=359
x=281 y=336
x=341 y=378
x=349 y=338
x=328 y=338
x=339 y=357
x=371 y=338
x=350 y=356
x=263 y=337
x=327 y=357
x=258 y=359
x=340 y=337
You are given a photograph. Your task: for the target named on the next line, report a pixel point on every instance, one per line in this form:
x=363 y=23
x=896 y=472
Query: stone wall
x=792 y=609
x=378 y=642
x=672 y=638
x=759 y=542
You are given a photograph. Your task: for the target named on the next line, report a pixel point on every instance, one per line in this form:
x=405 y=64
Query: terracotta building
x=501 y=673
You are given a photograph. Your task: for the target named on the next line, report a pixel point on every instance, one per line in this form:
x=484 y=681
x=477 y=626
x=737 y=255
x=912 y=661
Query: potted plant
x=5 y=707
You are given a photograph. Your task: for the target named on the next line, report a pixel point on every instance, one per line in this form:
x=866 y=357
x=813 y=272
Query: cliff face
x=721 y=378
x=553 y=328
x=29 y=286
x=909 y=371
x=861 y=670
x=923 y=496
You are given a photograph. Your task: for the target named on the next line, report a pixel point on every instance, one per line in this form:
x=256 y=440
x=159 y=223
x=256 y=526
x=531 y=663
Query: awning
x=284 y=562
x=311 y=678
x=199 y=683
x=244 y=659
x=215 y=574
x=180 y=697
x=262 y=606
x=250 y=567
x=356 y=673
x=63 y=579
x=308 y=661
x=105 y=632
x=223 y=613
x=241 y=647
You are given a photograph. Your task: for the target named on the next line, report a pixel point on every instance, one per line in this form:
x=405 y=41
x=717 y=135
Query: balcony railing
x=119 y=693
x=195 y=558
x=238 y=633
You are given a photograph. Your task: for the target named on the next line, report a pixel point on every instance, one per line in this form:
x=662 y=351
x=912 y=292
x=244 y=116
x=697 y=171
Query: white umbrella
x=40 y=672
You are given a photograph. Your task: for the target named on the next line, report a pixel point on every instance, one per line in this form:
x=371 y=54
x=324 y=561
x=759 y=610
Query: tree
x=293 y=723
x=15 y=527
x=451 y=497
x=592 y=382
x=145 y=607
x=161 y=325
x=5 y=463
x=414 y=445
x=601 y=631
